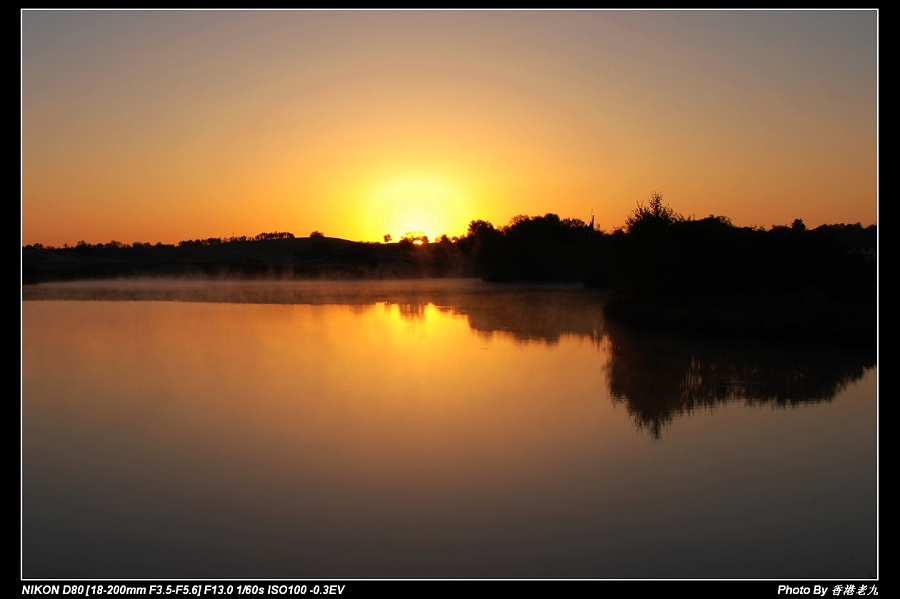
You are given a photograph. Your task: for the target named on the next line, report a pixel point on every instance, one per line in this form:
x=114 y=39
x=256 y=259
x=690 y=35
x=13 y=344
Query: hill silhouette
x=662 y=270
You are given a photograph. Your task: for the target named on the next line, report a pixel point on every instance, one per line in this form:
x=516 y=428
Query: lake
x=429 y=429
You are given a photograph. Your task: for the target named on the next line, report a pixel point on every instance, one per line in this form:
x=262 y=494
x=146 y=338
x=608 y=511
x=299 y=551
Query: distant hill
x=300 y=257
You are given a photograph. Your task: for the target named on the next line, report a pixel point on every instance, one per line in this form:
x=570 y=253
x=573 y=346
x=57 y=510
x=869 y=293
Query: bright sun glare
x=424 y=205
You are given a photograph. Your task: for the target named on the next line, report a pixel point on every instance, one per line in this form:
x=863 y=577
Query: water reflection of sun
x=418 y=206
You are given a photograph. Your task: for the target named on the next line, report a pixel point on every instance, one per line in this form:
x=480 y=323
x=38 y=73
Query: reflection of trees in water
x=525 y=313
x=659 y=377
x=411 y=311
x=535 y=315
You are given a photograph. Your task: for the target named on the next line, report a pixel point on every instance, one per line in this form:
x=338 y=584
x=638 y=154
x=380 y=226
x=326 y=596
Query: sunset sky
x=170 y=125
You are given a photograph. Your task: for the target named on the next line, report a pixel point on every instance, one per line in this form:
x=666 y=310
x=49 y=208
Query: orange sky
x=170 y=125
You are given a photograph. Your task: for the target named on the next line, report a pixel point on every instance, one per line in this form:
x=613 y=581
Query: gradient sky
x=170 y=125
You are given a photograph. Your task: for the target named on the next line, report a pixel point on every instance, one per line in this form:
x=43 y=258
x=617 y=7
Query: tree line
x=657 y=253
x=661 y=252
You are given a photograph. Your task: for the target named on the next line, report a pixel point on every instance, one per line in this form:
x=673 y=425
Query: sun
x=423 y=205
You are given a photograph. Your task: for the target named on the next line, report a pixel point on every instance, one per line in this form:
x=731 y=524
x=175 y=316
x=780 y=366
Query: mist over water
x=429 y=429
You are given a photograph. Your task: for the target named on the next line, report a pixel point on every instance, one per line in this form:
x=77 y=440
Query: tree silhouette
x=654 y=213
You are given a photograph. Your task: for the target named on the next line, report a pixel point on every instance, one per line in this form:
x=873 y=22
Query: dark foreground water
x=429 y=429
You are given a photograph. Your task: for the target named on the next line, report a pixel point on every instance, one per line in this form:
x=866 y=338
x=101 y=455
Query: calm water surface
x=428 y=429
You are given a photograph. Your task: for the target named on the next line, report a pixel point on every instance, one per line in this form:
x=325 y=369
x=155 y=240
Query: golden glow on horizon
x=165 y=125
x=416 y=204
